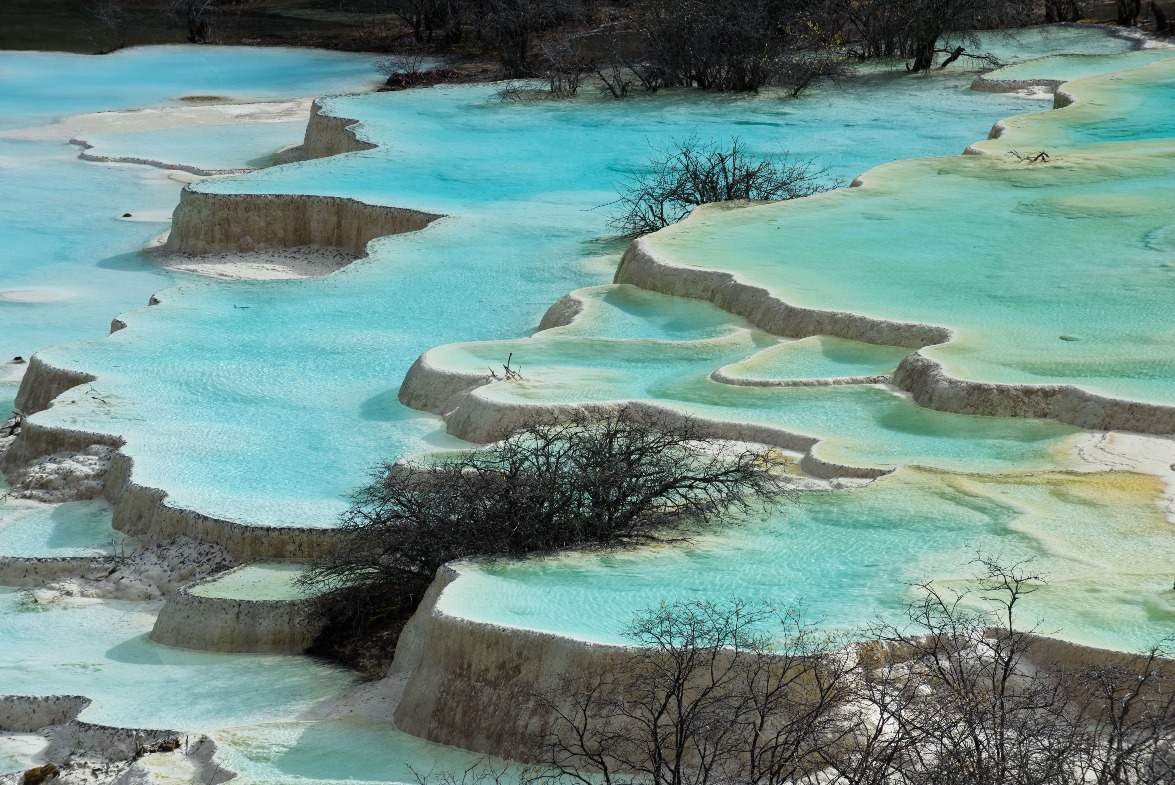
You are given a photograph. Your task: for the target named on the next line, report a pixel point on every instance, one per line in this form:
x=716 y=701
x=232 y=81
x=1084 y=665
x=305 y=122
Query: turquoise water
x=334 y=751
x=1129 y=108
x=281 y=394
x=1070 y=67
x=100 y=649
x=37 y=87
x=818 y=357
x=29 y=528
x=1063 y=276
x=69 y=261
x=861 y=425
x=849 y=558
x=265 y=402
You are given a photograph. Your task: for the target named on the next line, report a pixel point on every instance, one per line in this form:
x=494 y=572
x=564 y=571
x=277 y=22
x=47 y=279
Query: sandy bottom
x=278 y=264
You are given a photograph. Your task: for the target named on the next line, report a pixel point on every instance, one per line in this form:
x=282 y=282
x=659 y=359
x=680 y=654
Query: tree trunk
x=923 y=56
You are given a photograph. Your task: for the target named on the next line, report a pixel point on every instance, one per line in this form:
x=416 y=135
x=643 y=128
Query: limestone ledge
x=328 y=135
x=984 y=84
x=1061 y=99
x=86 y=155
x=36 y=571
x=85 y=751
x=43 y=382
x=29 y=713
x=457 y=671
x=925 y=379
x=483 y=419
x=723 y=377
x=221 y=223
x=565 y=311
x=642 y=267
x=216 y=223
x=224 y=624
x=933 y=388
x=141 y=511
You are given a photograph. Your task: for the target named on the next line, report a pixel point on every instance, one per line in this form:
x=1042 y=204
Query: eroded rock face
x=63 y=476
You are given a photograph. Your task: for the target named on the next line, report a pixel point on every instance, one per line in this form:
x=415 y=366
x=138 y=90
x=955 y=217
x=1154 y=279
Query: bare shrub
x=916 y=30
x=734 y=45
x=510 y=26
x=691 y=173
x=714 y=694
x=110 y=19
x=408 y=63
x=564 y=67
x=619 y=479
x=195 y=16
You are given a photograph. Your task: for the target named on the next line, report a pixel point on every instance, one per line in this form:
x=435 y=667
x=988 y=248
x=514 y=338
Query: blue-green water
x=265 y=402
x=281 y=394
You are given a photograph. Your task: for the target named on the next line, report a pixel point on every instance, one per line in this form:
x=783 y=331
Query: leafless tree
x=1164 y=25
x=510 y=27
x=1126 y=709
x=714 y=694
x=110 y=23
x=564 y=66
x=691 y=173
x=1062 y=11
x=734 y=45
x=428 y=18
x=616 y=479
x=1128 y=12
x=194 y=14
x=916 y=30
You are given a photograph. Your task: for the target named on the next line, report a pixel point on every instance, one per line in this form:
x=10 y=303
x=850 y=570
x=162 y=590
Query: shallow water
x=69 y=260
x=29 y=528
x=254 y=145
x=38 y=87
x=850 y=557
x=1064 y=276
x=258 y=581
x=333 y=751
x=266 y=402
x=100 y=649
x=266 y=384
x=861 y=425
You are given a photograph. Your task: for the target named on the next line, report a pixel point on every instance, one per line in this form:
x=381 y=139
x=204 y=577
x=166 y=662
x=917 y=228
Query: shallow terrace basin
x=642 y=351
x=101 y=650
x=273 y=580
x=29 y=528
x=333 y=751
x=209 y=148
x=184 y=383
x=849 y=557
x=70 y=260
x=38 y=87
x=1060 y=272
